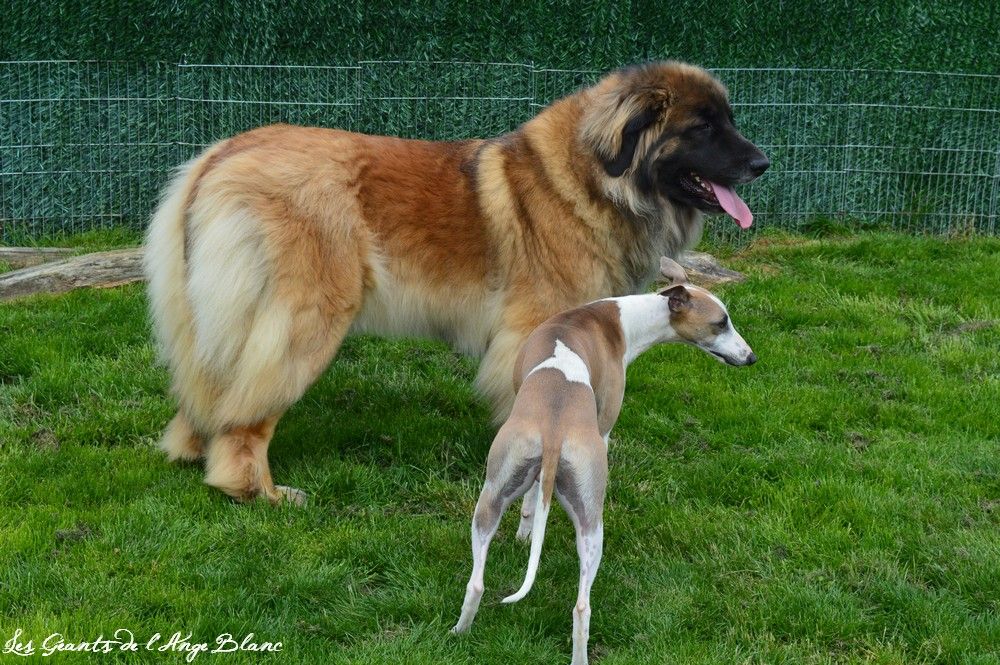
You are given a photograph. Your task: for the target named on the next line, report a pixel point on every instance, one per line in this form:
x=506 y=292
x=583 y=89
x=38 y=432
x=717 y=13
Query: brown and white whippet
x=570 y=380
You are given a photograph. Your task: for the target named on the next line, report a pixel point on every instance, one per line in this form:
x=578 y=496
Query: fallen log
x=25 y=257
x=100 y=270
x=704 y=270
x=123 y=266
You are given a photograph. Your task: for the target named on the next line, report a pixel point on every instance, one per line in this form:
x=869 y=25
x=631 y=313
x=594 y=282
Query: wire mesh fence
x=88 y=145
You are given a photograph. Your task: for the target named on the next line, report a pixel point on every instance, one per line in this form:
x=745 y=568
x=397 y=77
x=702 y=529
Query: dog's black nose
x=751 y=359
x=759 y=164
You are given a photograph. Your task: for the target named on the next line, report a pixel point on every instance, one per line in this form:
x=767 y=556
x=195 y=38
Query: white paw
x=524 y=530
x=292 y=495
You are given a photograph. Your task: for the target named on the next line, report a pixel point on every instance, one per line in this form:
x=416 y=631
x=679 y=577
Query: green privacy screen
x=89 y=144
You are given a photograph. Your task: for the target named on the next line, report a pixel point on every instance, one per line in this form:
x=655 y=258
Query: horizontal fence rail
x=88 y=145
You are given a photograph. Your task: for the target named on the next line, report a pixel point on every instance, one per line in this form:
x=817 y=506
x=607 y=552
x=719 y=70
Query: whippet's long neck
x=645 y=321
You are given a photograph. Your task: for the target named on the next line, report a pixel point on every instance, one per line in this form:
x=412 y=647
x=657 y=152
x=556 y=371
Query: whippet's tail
x=543 y=501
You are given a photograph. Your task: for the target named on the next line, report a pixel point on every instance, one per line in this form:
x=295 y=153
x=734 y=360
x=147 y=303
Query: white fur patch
x=566 y=361
x=465 y=318
x=731 y=344
x=645 y=321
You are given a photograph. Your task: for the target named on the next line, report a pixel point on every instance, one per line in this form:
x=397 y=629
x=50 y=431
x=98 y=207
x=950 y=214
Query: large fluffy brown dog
x=273 y=245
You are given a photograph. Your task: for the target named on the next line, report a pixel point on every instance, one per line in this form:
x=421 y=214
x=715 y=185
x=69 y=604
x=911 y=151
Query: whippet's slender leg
x=585 y=505
x=484 y=525
x=527 y=512
x=507 y=478
x=589 y=545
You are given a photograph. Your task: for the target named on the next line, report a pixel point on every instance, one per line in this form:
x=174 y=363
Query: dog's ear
x=678 y=298
x=630 y=133
x=672 y=271
x=614 y=123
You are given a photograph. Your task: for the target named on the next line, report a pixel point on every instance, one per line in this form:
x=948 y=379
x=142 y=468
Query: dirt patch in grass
x=859 y=442
x=45 y=439
x=74 y=534
x=972 y=326
x=990 y=505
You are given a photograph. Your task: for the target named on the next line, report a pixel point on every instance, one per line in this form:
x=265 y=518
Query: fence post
x=994 y=203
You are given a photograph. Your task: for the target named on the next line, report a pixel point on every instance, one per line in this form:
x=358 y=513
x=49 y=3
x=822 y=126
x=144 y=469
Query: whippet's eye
x=722 y=323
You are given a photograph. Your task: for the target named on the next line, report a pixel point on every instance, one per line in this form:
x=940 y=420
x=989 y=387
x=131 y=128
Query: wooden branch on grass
x=123 y=266
x=100 y=269
x=24 y=257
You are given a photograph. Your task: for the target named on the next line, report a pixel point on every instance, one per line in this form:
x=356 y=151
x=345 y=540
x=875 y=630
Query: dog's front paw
x=291 y=495
x=524 y=528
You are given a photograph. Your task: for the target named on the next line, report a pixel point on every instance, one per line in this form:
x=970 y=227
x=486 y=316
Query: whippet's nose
x=759 y=164
x=751 y=359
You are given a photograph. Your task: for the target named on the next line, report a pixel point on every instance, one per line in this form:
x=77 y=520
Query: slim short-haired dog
x=570 y=380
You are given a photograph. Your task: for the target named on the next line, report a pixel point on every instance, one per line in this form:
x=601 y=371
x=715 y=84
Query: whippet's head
x=701 y=319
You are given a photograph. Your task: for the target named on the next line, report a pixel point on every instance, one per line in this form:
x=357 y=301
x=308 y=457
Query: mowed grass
x=837 y=502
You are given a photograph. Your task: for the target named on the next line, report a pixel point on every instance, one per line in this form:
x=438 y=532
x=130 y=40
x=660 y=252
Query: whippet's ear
x=672 y=271
x=678 y=298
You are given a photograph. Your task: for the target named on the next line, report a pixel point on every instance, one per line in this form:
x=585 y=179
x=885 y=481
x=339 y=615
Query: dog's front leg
x=495 y=380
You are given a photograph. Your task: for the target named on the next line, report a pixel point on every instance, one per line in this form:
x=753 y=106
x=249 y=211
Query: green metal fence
x=87 y=145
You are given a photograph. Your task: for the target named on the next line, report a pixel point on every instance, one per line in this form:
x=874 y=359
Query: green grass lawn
x=837 y=502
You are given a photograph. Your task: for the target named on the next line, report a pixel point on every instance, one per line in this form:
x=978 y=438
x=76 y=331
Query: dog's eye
x=720 y=326
x=701 y=128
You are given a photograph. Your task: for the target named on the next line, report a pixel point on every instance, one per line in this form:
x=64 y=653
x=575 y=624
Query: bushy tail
x=165 y=265
x=543 y=501
x=195 y=331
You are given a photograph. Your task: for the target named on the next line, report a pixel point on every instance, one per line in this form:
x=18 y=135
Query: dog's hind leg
x=589 y=546
x=527 y=513
x=485 y=521
x=508 y=476
x=236 y=459
x=584 y=502
x=293 y=322
x=236 y=462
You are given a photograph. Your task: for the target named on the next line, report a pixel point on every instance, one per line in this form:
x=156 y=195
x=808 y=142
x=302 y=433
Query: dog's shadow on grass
x=389 y=404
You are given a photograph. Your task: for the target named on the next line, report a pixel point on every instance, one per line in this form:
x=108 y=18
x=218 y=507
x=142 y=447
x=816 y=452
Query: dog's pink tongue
x=732 y=204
